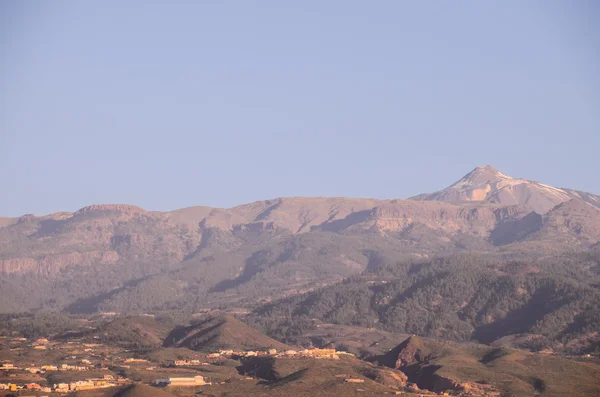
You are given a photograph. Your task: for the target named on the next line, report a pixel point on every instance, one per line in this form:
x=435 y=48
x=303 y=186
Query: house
x=195 y=381
x=61 y=388
x=322 y=352
x=136 y=360
x=355 y=380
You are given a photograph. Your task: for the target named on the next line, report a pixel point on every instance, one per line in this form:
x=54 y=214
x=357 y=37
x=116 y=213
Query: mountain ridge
x=121 y=252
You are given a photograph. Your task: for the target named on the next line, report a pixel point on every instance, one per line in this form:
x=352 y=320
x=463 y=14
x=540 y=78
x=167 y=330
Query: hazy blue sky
x=168 y=104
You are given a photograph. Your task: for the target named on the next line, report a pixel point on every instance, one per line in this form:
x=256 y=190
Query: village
x=77 y=365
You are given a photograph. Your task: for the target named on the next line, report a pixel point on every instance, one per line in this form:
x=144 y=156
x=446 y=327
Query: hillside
x=134 y=331
x=467 y=297
x=116 y=257
x=443 y=366
x=134 y=390
x=221 y=333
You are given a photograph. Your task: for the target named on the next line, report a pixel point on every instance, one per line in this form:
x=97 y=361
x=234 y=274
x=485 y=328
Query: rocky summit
x=487 y=184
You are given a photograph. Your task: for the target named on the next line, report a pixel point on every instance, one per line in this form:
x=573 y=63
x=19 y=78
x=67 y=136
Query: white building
x=195 y=381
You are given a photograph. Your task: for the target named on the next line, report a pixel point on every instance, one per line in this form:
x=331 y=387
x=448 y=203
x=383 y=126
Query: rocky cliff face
x=415 y=357
x=49 y=265
x=93 y=236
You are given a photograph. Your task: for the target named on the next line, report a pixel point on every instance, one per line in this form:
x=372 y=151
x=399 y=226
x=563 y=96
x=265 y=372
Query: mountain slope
x=221 y=333
x=467 y=297
x=486 y=183
x=133 y=390
x=443 y=366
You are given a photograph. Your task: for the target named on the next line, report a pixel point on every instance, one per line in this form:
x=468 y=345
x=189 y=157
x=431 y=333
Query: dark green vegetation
x=134 y=332
x=533 y=304
x=36 y=325
x=555 y=302
x=142 y=331
x=276 y=265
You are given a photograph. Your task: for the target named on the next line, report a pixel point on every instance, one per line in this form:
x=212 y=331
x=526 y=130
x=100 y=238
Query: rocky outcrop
x=52 y=264
x=416 y=358
x=386 y=377
x=123 y=210
x=18 y=265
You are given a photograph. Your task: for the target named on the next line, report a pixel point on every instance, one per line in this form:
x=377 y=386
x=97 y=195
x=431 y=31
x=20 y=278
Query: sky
x=170 y=104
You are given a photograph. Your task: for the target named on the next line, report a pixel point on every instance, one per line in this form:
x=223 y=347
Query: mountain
x=221 y=333
x=487 y=184
x=117 y=257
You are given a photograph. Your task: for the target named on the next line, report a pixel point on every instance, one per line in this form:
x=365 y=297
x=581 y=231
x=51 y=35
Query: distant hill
x=221 y=333
x=446 y=366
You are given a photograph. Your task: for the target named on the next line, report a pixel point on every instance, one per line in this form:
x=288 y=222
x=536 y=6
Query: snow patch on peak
x=554 y=191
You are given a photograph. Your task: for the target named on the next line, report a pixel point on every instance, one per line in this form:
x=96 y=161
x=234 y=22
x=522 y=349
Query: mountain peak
x=485 y=167
x=483 y=174
x=486 y=183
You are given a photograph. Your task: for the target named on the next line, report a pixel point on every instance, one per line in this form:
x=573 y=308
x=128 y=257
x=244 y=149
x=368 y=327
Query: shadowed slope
x=224 y=332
